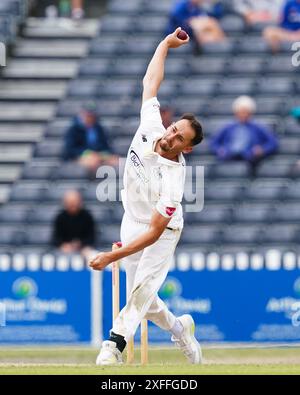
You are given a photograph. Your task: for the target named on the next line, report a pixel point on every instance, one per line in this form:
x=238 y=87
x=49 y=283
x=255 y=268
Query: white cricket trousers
x=145 y=273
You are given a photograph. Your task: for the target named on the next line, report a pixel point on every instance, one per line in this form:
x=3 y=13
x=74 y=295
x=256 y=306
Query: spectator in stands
x=167 y=115
x=199 y=19
x=77 y=9
x=288 y=28
x=74 y=228
x=86 y=141
x=262 y=11
x=244 y=139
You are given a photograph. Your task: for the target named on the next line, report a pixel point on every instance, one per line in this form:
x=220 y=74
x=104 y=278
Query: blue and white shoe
x=187 y=341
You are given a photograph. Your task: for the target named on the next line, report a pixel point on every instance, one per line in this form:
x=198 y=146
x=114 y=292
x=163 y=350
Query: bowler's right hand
x=173 y=41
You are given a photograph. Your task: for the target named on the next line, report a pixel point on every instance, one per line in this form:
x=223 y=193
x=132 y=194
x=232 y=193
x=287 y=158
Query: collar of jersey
x=161 y=159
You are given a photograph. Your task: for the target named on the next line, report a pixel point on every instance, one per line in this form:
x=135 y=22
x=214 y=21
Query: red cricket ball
x=182 y=35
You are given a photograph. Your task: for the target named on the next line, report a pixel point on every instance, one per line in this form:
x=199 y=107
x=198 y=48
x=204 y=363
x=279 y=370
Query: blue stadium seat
x=13 y=213
x=121 y=145
x=38 y=234
x=189 y=104
x=236 y=86
x=292 y=192
x=71 y=170
x=151 y=24
x=246 y=65
x=264 y=190
x=101 y=213
x=252 y=45
x=275 y=85
x=175 y=67
x=44 y=214
x=11 y=235
x=287 y=212
x=121 y=88
x=95 y=67
x=168 y=89
x=39 y=170
x=220 y=48
x=109 y=234
x=57 y=190
x=213 y=125
x=114 y=24
x=232 y=24
x=50 y=148
x=58 y=127
x=198 y=87
x=273 y=168
x=223 y=191
x=280 y=64
x=158 y=7
x=269 y=105
x=211 y=214
x=103 y=47
x=134 y=68
x=83 y=88
x=139 y=46
x=124 y=7
x=252 y=213
x=28 y=191
x=241 y=234
x=200 y=234
x=281 y=233
x=291 y=126
x=206 y=65
x=230 y=169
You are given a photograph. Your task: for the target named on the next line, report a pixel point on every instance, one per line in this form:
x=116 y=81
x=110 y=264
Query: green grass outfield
x=56 y=360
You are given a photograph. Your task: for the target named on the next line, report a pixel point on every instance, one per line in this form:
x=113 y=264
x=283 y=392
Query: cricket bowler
x=154 y=179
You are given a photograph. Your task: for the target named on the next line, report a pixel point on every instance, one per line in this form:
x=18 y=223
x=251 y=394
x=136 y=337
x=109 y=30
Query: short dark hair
x=196 y=125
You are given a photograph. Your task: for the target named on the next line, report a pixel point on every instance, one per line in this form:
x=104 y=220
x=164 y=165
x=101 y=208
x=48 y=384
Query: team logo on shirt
x=170 y=211
x=138 y=166
x=144 y=138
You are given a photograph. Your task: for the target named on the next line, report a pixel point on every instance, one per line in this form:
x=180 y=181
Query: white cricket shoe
x=187 y=341
x=109 y=354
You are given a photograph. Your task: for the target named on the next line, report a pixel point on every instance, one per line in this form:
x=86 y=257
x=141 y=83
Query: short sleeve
x=171 y=191
x=166 y=208
x=150 y=112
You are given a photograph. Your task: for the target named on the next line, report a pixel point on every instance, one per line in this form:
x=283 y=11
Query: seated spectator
x=74 y=228
x=167 y=115
x=244 y=139
x=77 y=9
x=198 y=19
x=289 y=26
x=86 y=141
x=262 y=11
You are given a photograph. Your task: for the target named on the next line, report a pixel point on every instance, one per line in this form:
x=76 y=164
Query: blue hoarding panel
x=46 y=307
x=235 y=306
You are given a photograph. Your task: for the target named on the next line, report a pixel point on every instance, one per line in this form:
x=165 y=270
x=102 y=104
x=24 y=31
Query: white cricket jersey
x=151 y=181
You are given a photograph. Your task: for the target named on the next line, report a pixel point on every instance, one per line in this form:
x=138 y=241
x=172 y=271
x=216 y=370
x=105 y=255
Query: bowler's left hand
x=100 y=261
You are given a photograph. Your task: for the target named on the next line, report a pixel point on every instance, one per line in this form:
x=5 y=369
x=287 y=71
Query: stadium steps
x=39 y=28
x=25 y=111
x=4 y=192
x=34 y=48
x=32 y=90
x=36 y=68
x=43 y=61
